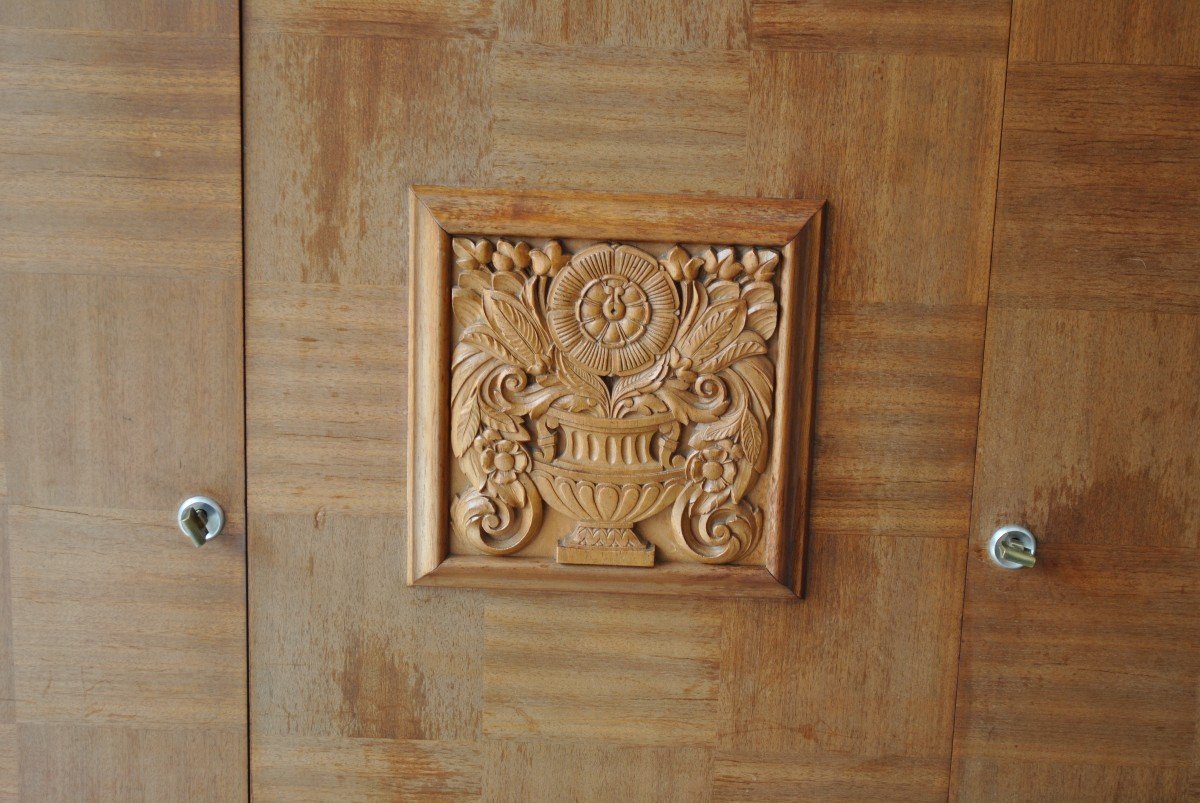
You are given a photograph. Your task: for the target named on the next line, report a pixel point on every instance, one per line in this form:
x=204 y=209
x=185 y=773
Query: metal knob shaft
x=1012 y=547
x=201 y=519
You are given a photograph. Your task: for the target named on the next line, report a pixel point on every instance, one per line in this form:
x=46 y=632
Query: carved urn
x=608 y=473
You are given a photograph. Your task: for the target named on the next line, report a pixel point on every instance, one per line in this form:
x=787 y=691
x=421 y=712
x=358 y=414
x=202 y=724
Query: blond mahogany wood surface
x=122 y=647
x=595 y=695
x=1079 y=679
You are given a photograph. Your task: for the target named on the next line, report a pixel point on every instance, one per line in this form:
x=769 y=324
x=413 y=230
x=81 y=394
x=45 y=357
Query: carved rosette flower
x=502 y=461
x=714 y=468
x=613 y=310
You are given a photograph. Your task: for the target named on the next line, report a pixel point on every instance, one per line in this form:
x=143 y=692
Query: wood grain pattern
x=1110 y=650
x=409 y=19
x=183 y=622
x=645 y=671
x=384 y=665
x=942 y=27
x=1097 y=458
x=864 y=667
x=336 y=195
x=1101 y=222
x=642 y=120
x=1079 y=678
x=84 y=380
x=1084 y=31
x=325 y=414
x=145 y=161
x=315 y=769
x=529 y=770
x=195 y=18
x=603 y=216
x=74 y=761
x=756 y=776
x=1119 y=473
x=10 y=783
x=676 y=579
x=896 y=414
x=675 y=25
x=429 y=413
x=124 y=670
x=905 y=149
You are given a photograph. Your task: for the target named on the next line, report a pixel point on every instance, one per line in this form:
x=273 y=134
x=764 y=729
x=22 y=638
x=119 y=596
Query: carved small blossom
x=680 y=265
x=549 y=260
x=509 y=256
x=715 y=466
x=502 y=460
x=722 y=264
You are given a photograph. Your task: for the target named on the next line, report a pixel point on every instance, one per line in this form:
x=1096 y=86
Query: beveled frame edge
x=436 y=214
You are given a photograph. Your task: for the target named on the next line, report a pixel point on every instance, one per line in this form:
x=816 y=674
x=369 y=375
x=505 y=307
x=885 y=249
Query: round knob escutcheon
x=1012 y=547
x=201 y=519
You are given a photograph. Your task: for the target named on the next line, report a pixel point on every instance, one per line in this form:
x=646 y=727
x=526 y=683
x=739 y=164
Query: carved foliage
x=577 y=376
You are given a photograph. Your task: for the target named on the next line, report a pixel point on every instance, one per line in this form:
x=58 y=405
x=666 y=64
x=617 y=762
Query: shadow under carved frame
x=495 y=261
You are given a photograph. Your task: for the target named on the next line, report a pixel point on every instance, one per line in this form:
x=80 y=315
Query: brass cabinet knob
x=1012 y=547
x=201 y=519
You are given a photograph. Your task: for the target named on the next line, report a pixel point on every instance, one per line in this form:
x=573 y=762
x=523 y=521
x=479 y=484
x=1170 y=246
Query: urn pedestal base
x=604 y=545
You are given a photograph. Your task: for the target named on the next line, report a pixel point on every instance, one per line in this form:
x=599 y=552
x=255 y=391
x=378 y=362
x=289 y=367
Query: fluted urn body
x=608 y=474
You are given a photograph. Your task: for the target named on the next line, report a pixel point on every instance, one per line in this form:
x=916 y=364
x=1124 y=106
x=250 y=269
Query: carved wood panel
x=620 y=401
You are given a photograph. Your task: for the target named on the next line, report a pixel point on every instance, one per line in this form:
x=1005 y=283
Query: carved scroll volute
x=611 y=384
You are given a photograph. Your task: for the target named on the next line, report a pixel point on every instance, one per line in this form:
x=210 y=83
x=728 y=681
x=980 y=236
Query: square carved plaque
x=610 y=392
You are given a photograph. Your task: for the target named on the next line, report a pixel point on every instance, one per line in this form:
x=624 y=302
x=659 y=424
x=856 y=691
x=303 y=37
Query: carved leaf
x=483 y=338
x=759 y=374
x=762 y=311
x=715 y=329
x=723 y=263
x=747 y=344
x=548 y=261
x=512 y=283
x=504 y=423
x=721 y=290
x=468 y=306
x=590 y=389
x=727 y=265
x=646 y=381
x=511 y=494
x=695 y=302
x=750 y=436
x=477 y=280
x=470 y=368
x=515 y=326
x=727 y=426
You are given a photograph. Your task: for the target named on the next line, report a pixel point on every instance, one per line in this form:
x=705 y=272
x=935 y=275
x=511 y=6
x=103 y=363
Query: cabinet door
x=122 y=646
x=364 y=687
x=1079 y=677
